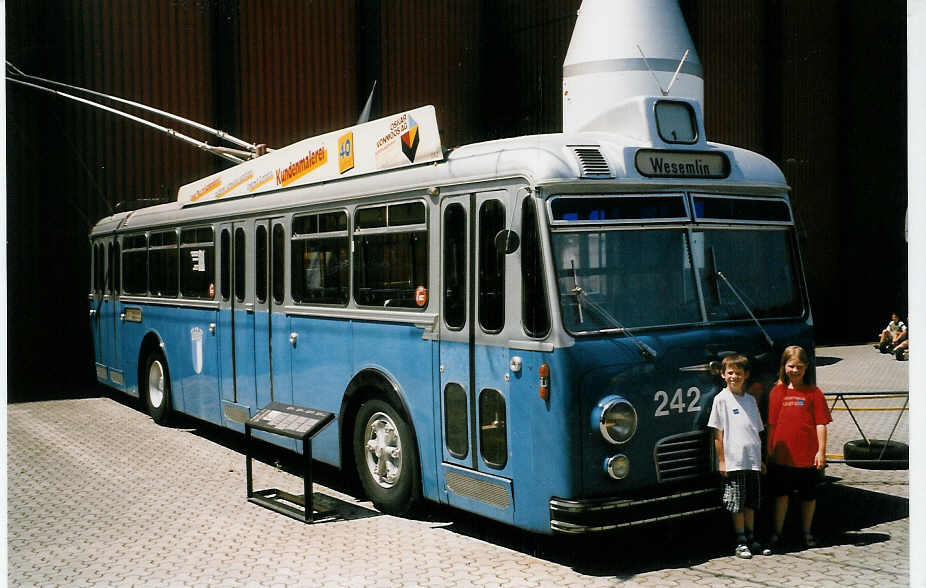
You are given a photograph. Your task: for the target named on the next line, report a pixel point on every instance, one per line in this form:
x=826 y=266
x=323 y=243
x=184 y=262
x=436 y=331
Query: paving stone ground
x=101 y=496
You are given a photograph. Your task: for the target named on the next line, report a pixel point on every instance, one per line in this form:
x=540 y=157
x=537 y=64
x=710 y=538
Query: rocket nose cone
x=626 y=48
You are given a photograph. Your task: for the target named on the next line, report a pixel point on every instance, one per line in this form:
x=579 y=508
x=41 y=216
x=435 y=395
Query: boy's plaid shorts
x=741 y=489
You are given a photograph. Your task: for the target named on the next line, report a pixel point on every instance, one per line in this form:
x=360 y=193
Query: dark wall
x=818 y=87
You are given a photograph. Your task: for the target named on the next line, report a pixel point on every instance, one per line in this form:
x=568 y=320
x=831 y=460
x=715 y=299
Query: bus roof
x=595 y=159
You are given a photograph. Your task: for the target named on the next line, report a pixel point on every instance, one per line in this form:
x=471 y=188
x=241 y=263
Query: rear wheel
x=386 y=457
x=156 y=387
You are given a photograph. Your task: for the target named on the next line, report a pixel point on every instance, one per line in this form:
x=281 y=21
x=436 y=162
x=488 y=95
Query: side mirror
x=507 y=241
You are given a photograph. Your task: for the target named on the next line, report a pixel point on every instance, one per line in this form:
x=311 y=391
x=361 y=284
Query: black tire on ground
x=860 y=454
x=155 y=387
x=386 y=457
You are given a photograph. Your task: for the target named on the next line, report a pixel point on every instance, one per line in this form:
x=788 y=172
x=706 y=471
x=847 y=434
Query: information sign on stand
x=295 y=422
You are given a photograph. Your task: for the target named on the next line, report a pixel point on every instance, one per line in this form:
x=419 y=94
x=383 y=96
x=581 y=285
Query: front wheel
x=386 y=457
x=156 y=387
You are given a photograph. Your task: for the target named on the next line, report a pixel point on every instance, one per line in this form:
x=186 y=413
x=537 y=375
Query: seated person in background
x=890 y=336
x=902 y=344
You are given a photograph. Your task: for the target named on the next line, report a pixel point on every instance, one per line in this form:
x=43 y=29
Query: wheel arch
x=370 y=383
x=150 y=342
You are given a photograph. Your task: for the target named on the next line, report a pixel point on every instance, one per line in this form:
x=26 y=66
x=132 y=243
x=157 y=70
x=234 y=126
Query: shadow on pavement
x=842 y=513
x=276 y=457
x=824 y=361
x=62 y=391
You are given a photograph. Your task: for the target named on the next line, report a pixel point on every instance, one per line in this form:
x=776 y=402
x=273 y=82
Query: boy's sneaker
x=742 y=551
x=755 y=547
x=809 y=540
x=772 y=545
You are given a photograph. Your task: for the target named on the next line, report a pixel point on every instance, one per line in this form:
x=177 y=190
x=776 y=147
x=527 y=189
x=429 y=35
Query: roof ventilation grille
x=592 y=162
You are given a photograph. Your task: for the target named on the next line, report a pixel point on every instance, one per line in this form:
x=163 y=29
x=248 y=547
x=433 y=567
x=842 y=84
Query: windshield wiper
x=582 y=298
x=746 y=306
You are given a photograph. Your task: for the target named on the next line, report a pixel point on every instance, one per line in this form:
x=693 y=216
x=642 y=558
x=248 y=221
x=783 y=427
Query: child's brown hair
x=791 y=352
x=737 y=361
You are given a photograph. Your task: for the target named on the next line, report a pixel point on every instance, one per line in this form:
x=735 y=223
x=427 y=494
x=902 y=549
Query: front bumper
x=608 y=514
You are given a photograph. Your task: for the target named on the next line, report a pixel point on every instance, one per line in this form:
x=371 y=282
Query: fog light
x=618 y=467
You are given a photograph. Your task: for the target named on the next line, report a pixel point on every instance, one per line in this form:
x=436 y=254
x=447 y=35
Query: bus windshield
x=647 y=277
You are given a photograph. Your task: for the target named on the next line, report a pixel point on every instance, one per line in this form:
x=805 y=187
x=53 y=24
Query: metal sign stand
x=295 y=422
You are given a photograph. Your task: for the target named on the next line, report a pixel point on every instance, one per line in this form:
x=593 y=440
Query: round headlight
x=618 y=467
x=618 y=420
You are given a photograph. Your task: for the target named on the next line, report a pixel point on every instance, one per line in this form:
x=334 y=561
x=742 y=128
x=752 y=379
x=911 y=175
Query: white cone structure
x=622 y=49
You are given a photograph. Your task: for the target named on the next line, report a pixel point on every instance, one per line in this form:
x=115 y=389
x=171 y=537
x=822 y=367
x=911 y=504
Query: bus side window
x=277 y=263
x=108 y=287
x=320 y=259
x=97 y=269
x=391 y=256
x=163 y=259
x=491 y=267
x=197 y=262
x=535 y=311
x=225 y=253
x=239 y=265
x=455 y=266
x=135 y=264
x=116 y=259
x=260 y=263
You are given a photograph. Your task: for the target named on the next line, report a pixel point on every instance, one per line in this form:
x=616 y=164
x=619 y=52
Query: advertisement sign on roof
x=405 y=139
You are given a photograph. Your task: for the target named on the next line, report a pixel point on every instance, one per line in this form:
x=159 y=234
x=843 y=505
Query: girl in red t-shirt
x=797 y=419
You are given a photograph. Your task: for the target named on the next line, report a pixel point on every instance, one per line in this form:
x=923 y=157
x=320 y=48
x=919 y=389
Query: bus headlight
x=618 y=466
x=618 y=419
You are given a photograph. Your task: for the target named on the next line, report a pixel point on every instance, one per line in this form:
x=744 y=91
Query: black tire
x=860 y=454
x=386 y=457
x=155 y=387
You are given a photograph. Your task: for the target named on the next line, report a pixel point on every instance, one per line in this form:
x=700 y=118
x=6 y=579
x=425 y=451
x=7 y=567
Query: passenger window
x=320 y=259
x=197 y=265
x=491 y=267
x=455 y=266
x=225 y=253
x=391 y=260
x=115 y=265
x=493 y=429
x=456 y=421
x=108 y=280
x=277 y=270
x=135 y=264
x=163 y=258
x=260 y=263
x=239 y=265
x=98 y=268
x=535 y=311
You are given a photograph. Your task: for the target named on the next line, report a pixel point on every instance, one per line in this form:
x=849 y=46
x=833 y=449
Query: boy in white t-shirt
x=737 y=424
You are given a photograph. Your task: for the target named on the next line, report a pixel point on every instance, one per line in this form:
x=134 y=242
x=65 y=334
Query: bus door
x=105 y=315
x=473 y=354
x=236 y=323
x=272 y=346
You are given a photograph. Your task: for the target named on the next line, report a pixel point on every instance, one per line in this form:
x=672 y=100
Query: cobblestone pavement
x=100 y=495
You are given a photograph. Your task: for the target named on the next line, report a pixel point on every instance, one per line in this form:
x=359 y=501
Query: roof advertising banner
x=404 y=139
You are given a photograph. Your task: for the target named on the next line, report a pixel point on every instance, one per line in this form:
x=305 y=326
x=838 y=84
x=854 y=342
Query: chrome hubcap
x=156 y=384
x=383 y=450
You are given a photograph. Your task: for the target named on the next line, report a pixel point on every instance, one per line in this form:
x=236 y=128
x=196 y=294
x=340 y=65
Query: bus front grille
x=685 y=456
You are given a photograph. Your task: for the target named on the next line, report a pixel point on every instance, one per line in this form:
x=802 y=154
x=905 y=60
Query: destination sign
x=682 y=164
